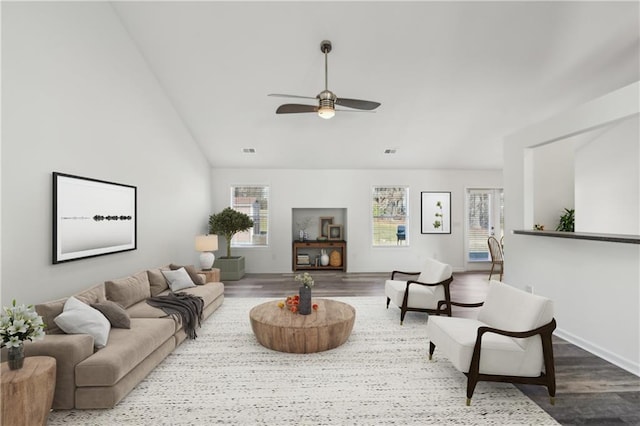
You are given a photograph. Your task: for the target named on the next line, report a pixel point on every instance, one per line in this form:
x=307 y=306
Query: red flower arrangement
x=292 y=302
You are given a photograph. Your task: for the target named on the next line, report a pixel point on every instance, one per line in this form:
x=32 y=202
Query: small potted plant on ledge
x=228 y=223
x=567 y=221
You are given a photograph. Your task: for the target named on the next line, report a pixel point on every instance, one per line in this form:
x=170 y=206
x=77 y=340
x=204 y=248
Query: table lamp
x=206 y=244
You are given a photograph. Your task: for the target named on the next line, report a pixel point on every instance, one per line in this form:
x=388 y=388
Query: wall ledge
x=611 y=238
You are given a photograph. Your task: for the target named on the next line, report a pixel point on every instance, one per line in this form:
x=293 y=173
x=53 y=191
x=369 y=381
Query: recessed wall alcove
x=308 y=220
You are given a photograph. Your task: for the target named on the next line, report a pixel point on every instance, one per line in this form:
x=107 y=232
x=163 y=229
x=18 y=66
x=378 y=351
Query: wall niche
x=309 y=221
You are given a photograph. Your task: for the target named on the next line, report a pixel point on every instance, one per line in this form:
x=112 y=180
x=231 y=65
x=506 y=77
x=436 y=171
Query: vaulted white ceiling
x=454 y=78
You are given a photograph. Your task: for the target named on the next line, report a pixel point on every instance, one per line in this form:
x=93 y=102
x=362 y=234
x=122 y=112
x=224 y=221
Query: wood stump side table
x=213 y=275
x=27 y=393
x=282 y=330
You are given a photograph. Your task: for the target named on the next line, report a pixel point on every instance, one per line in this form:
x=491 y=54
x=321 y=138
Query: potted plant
x=228 y=223
x=17 y=325
x=567 y=221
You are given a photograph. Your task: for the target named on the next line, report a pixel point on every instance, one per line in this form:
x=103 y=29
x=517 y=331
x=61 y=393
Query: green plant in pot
x=228 y=223
x=567 y=221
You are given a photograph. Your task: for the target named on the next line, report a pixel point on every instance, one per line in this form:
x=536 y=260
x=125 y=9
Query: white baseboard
x=626 y=364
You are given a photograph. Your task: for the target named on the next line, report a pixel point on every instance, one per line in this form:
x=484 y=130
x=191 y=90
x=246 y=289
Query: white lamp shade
x=206 y=243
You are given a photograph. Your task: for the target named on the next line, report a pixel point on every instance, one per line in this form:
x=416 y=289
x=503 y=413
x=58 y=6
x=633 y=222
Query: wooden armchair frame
x=548 y=378
x=404 y=308
x=497 y=256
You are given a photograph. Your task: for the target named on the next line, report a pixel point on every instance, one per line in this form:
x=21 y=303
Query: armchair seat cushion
x=501 y=355
x=420 y=296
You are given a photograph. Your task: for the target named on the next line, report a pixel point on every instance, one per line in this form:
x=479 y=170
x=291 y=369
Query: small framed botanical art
x=435 y=212
x=325 y=221
x=335 y=232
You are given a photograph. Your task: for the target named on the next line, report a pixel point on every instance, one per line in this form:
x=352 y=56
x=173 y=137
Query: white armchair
x=509 y=342
x=423 y=293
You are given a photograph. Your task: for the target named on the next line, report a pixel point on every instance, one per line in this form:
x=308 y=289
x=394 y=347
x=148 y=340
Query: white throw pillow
x=80 y=318
x=178 y=279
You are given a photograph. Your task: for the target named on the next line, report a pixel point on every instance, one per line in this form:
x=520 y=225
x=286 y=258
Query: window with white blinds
x=485 y=218
x=390 y=215
x=252 y=200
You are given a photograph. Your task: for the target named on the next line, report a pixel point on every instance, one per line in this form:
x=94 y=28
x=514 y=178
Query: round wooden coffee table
x=282 y=330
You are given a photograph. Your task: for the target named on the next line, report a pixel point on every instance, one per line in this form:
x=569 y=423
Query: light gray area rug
x=380 y=376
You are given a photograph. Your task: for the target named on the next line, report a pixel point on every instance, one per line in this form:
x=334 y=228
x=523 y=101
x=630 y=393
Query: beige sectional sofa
x=99 y=378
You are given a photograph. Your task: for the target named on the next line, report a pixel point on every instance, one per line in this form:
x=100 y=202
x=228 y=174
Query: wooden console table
x=313 y=248
x=27 y=393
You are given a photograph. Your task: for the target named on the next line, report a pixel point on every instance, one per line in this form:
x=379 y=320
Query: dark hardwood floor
x=590 y=390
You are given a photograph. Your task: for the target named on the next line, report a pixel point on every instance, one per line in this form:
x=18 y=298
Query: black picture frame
x=435 y=212
x=92 y=217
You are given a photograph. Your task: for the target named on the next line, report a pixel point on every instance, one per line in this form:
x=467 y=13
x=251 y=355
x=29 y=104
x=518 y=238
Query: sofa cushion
x=157 y=282
x=209 y=292
x=191 y=270
x=79 y=318
x=178 y=279
x=126 y=349
x=49 y=311
x=129 y=290
x=93 y=294
x=144 y=310
x=116 y=314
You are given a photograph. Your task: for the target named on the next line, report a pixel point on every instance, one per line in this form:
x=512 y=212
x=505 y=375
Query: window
x=390 y=213
x=253 y=201
x=485 y=217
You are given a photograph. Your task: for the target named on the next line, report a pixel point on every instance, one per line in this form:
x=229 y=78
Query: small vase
x=16 y=357
x=304 y=304
x=324 y=258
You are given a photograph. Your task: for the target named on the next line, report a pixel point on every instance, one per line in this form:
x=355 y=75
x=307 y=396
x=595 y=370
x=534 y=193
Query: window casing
x=253 y=200
x=390 y=210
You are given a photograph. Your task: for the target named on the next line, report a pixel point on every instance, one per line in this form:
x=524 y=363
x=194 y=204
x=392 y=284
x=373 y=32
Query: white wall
x=553 y=183
x=351 y=189
x=79 y=99
x=594 y=284
x=607 y=179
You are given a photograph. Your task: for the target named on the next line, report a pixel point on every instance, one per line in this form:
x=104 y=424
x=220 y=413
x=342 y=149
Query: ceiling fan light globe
x=326 y=112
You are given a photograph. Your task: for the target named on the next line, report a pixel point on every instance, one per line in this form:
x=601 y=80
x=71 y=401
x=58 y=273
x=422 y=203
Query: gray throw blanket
x=181 y=306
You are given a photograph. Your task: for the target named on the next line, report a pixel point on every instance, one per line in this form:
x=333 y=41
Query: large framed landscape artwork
x=92 y=217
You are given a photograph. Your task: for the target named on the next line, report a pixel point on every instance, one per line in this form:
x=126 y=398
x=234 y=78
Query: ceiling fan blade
x=355 y=110
x=295 y=108
x=280 y=95
x=357 y=103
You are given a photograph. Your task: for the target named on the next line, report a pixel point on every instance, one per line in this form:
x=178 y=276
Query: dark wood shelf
x=611 y=238
x=315 y=247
